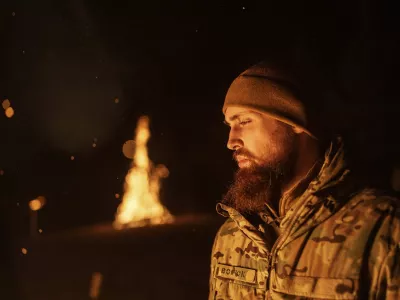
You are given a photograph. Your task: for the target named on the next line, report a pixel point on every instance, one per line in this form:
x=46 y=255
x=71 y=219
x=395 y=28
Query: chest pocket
x=234 y=282
x=314 y=288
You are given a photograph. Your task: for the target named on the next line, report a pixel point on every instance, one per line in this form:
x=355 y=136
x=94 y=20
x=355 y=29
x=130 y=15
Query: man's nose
x=234 y=141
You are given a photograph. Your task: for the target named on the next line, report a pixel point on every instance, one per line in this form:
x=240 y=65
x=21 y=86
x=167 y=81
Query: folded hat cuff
x=275 y=115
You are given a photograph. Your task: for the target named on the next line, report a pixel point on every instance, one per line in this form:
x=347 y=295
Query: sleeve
x=385 y=258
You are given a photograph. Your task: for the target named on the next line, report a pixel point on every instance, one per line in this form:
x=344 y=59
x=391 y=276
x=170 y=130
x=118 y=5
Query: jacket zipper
x=279 y=242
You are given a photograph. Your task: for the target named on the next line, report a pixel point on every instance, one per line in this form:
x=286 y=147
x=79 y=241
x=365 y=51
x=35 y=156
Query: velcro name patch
x=236 y=273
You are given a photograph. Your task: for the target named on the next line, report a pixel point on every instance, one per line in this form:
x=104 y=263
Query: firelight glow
x=140 y=203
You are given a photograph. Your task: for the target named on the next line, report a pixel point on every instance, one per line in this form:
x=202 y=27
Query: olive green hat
x=270 y=91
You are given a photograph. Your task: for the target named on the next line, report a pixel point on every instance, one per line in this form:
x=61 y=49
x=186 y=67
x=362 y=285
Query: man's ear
x=299 y=130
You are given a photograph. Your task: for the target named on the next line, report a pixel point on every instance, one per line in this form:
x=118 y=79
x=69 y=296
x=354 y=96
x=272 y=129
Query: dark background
x=64 y=62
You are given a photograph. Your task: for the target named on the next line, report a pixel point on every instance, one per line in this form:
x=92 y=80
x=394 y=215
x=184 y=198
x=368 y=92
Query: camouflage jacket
x=334 y=242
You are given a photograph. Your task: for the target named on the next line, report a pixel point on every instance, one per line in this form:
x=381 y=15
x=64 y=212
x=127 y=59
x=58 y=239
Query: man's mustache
x=243 y=153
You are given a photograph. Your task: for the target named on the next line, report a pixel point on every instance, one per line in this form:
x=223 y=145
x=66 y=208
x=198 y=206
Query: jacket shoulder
x=226 y=235
x=384 y=208
x=380 y=200
x=230 y=240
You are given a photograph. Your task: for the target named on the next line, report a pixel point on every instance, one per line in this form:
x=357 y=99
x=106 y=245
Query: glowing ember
x=24 y=251
x=9 y=112
x=140 y=204
x=37 y=203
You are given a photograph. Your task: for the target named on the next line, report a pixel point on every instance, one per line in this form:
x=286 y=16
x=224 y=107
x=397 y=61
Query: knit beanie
x=274 y=92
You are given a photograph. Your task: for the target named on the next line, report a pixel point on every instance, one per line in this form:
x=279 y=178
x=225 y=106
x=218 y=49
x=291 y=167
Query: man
x=300 y=225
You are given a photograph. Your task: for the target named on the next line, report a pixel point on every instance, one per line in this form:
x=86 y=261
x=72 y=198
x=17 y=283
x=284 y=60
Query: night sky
x=65 y=63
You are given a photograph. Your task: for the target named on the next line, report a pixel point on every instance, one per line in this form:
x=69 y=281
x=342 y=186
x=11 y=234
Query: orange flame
x=140 y=203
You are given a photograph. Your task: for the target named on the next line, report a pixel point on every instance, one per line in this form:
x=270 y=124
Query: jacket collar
x=331 y=188
x=328 y=177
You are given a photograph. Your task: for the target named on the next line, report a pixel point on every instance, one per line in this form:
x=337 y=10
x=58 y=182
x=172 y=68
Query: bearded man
x=300 y=225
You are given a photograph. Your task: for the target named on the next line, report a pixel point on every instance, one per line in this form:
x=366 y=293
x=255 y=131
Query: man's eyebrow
x=231 y=119
x=235 y=117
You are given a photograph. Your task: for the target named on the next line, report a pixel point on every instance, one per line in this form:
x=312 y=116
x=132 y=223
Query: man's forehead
x=234 y=112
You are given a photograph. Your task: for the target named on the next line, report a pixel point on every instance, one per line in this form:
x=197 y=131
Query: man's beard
x=253 y=187
x=257 y=185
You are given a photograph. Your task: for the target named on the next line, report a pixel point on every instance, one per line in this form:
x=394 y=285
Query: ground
x=167 y=261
